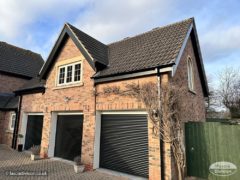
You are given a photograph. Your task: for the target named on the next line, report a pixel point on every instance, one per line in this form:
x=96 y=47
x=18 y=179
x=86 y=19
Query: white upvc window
x=190 y=74
x=12 y=121
x=69 y=74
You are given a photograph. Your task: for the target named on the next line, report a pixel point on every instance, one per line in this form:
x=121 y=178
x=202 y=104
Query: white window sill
x=68 y=86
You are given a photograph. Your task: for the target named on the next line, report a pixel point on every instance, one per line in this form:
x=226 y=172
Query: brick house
x=17 y=67
x=64 y=106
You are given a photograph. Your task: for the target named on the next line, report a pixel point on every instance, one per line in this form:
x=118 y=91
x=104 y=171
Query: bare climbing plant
x=162 y=107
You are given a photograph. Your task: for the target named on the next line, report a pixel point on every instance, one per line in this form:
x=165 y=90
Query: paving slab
x=17 y=165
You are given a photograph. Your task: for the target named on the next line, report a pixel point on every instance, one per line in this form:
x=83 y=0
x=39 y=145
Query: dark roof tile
x=95 y=48
x=19 y=61
x=154 y=48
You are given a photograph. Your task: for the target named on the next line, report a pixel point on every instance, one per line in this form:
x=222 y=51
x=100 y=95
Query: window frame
x=190 y=74
x=11 y=125
x=58 y=72
x=65 y=66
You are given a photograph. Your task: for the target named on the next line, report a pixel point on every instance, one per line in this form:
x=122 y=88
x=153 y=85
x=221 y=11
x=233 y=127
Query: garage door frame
x=53 y=129
x=96 y=161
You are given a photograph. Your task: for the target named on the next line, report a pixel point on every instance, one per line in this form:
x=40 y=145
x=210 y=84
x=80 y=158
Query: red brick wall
x=5 y=133
x=192 y=104
x=117 y=102
x=10 y=83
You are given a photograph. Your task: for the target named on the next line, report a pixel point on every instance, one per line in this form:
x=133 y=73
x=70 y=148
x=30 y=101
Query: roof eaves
x=177 y=60
x=79 y=40
x=201 y=59
x=52 y=52
x=94 y=59
x=98 y=76
x=8 y=109
x=192 y=28
x=30 y=90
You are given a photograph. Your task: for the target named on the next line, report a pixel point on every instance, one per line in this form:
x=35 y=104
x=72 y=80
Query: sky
x=35 y=25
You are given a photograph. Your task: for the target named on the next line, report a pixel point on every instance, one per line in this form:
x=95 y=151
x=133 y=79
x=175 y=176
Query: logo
x=223 y=168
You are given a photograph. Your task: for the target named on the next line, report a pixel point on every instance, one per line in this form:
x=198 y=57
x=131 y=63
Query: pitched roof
x=18 y=61
x=160 y=47
x=8 y=101
x=98 y=50
x=94 y=51
x=155 y=48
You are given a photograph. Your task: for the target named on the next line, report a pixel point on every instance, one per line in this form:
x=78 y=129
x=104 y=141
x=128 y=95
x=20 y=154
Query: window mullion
x=65 y=75
x=73 y=73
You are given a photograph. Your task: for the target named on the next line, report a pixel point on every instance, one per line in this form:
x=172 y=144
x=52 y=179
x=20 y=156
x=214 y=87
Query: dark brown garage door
x=124 y=144
x=68 y=136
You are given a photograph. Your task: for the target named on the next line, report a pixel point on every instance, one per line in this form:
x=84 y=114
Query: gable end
x=57 y=48
x=192 y=33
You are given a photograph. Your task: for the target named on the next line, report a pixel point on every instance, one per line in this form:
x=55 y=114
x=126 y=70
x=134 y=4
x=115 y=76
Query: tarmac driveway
x=13 y=162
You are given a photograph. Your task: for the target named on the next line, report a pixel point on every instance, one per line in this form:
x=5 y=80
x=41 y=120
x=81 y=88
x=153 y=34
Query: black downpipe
x=16 y=126
x=161 y=141
x=162 y=160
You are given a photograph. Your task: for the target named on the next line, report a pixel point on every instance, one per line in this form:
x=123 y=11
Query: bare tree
x=162 y=107
x=229 y=90
x=212 y=101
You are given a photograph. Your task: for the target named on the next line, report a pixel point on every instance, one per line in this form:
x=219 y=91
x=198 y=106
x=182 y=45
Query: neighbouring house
x=70 y=117
x=17 y=66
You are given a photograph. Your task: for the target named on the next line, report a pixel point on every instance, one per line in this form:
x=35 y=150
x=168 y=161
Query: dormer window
x=69 y=74
x=190 y=74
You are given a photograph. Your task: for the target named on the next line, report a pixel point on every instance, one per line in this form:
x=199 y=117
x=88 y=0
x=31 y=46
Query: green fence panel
x=211 y=142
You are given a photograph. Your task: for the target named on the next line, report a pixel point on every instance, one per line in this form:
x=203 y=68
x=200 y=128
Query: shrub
x=35 y=150
x=77 y=160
